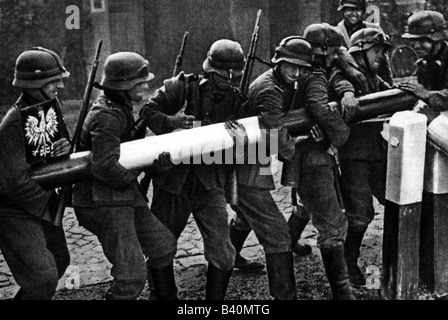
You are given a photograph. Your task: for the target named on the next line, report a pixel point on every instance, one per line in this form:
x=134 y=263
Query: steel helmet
x=295 y=50
x=361 y=4
x=36 y=67
x=426 y=24
x=123 y=70
x=364 y=39
x=322 y=36
x=226 y=58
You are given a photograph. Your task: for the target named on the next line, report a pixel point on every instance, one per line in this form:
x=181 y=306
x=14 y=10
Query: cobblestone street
x=87 y=254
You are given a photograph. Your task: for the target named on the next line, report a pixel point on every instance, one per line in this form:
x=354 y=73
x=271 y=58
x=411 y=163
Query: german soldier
x=326 y=43
x=111 y=205
x=363 y=157
x=199 y=188
x=353 y=11
x=34 y=248
x=312 y=167
x=428 y=33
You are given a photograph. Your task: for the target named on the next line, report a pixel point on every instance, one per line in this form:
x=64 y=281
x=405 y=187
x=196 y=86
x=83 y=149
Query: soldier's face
x=139 y=91
x=353 y=15
x=375 y=55
x=291 y=72
x=422 y=46
x=332 y=55
x=51 y=88
x=225 y=83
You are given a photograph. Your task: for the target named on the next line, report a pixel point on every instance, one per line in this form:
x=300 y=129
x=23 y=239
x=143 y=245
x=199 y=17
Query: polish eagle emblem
x=40 y=131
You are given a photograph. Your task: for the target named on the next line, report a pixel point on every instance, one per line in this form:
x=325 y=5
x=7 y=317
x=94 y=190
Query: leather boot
x=164 y=283
x=337 y=274
x=296 y=226
x=352 y=247
x=238 y=237
x=217 y=283
x=282 y=283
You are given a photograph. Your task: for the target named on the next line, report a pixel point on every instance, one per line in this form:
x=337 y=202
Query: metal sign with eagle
x=42 y=125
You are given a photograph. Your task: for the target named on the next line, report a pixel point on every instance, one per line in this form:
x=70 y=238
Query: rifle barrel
x=86 y=100
x=244 y=85
x=179 y=57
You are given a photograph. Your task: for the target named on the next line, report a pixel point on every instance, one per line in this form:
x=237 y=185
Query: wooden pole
x=404 y=188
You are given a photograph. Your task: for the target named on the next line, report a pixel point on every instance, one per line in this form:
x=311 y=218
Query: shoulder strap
x=191 y=94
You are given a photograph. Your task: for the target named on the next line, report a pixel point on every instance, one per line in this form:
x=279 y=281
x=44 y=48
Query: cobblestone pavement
x=87 y=255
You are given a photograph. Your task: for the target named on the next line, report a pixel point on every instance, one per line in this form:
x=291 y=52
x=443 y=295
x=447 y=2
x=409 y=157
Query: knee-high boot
x=238 y=237
x=352 y=248
x=282 y=283
x=164 y=282
x=217 y=283
x=296 y=226
x=337 y=274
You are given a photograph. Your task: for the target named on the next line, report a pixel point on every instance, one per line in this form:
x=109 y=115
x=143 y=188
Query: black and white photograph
x=210 y=150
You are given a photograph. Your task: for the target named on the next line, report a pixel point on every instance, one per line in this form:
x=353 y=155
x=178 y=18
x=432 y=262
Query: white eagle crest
x=40 y=132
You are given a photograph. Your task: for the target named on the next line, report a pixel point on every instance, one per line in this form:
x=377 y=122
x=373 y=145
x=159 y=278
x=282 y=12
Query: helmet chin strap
x=127 y=95
x=44 y=94
x=367 y=64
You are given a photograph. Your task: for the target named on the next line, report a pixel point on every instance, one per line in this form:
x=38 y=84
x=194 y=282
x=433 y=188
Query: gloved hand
x=163 y=162
x=349 y=105
x=180 y=119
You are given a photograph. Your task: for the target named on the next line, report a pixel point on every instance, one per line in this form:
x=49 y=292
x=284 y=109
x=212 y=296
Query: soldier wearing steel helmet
x=111 y=205
x=293 y=83
x=326 y=42
x=428 y=34
x=199 y=188
x=363 y=157
x=34 y=248
x=353 y=11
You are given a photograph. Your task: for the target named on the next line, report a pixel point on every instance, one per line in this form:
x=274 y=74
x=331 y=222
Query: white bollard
x=404 y=188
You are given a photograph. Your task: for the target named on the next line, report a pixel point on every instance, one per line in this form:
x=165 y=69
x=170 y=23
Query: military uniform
x=347 y=31
x=111 y=205
x=432 y=69
x=34 y=249
x=193 y=188
x=256 y=206
x=363 y=157
x=198 y=188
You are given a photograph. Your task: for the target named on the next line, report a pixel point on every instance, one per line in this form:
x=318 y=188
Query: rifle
x=249 y=64
x=179 y=58
x=244 y=86
x=65 y=192
x=139 y=129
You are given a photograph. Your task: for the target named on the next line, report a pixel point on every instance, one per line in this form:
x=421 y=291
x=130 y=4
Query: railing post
x=434 y=223
x=404 y=188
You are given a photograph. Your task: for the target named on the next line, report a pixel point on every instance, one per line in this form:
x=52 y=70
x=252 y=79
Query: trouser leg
x=32 y=264
x=115 y=229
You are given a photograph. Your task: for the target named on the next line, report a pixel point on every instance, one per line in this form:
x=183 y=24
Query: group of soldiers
x=333 y=172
